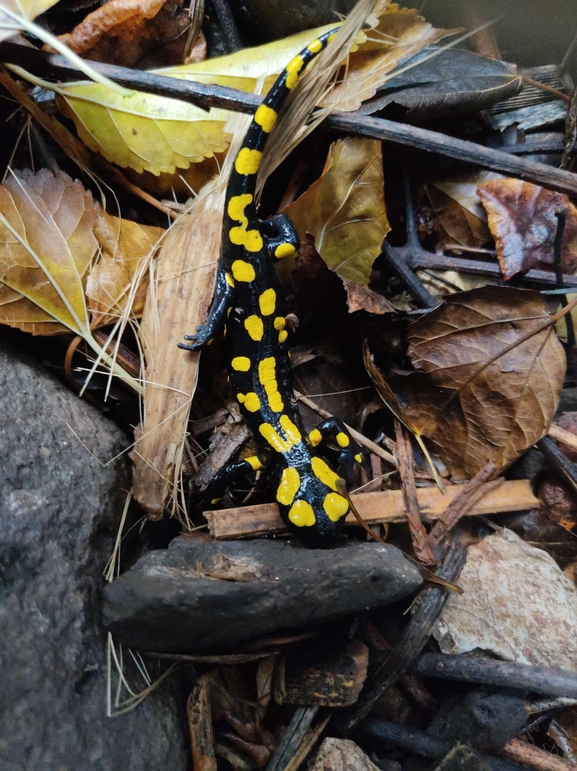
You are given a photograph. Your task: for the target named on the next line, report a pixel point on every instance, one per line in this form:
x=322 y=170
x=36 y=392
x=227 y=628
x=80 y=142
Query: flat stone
x=194 y=595
x=59 y=515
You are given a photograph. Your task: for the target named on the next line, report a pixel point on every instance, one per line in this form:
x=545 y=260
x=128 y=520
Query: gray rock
x=59 y=512
x=197 y=595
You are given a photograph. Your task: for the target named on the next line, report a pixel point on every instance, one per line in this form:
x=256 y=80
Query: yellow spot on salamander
x=359 y=458
x=342 y=439
x=315 y=437
x=267 y=302
x=292 y=433
x=279 y=323
x=292 y=71
x=315 y=46
x=284 y=250
x=229 y=279
x=267 y=377
x=248 y=161
x=254 y=327
x=255 y=463
x=265 y=117
x=250 y=401
x=241 y=363
x=243 y=271
x=280 y=445
x=325 y=473
x=240 y=236
x=215 y=500
x=289 y=486
x=282 y=336
x=335 y=506
x=301 y=514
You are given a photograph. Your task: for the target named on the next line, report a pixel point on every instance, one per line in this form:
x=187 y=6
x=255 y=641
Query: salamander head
x=309 y=502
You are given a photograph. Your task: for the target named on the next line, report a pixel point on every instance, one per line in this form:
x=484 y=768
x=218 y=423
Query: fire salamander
x=249 y=306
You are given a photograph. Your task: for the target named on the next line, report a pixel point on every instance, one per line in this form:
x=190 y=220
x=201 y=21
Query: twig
x=427 y=610
x=407 y=474
x=469 y=494
x=522 y=752
x=382 y=507
x=505 y=674
x=295 y=734
x=561 y=214
x=227 y=24
x=378 y=128
x=563 y=436
x=558 y=459
x=422 y=743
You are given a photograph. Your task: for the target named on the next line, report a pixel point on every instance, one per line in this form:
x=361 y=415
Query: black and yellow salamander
x=248 y=299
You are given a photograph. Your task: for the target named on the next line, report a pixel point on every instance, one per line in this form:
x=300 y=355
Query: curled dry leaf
x=123 y=31
x=345 y=209
x=483 y=393
x=523 y=223
x=361 y=298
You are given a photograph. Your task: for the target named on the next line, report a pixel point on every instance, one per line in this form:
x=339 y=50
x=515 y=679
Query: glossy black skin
x=231 y=307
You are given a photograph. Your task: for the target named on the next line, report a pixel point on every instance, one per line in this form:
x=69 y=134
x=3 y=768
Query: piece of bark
x=326 y=677
x=176 y=306
x=522 y=752
x=385 y=506
x=200 y=725
x=341 y=755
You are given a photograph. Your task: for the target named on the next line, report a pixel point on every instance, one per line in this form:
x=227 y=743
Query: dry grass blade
x=177 y=303
x=291 y=127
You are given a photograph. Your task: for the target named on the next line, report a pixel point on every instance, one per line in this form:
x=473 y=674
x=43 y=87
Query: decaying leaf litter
x=477 y=369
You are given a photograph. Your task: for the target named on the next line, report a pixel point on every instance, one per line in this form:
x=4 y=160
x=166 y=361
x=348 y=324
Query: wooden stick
x=523 y=752
x=387 y=506
x=409 y=489
x=358 y=125
x=563 y=436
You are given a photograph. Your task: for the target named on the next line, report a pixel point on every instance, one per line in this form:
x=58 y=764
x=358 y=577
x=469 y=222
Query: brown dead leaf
x=478 y=400
x=361 y=298
x=123 y=31
x=125 y=244
x=523 y=223
x=459 y=211
x=345 y=209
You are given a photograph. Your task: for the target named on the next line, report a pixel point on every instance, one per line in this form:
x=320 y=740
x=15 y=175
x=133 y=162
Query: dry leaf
x=47 y=243
x=516 y=603
x=124 y=245
x=156 y=134
x=563 y=731
x=123 y=31
x=523 y=223
x=28 y=9
x=476 y=403
x=459 y=210
x=401 y=32
x=361 y=298
x=345 y=209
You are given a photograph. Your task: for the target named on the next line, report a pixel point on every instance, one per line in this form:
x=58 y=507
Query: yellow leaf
x=47 y=243
x=156 y=134
x=27 y=9
x=19 y=312
x=125 y=245
x=345 y=209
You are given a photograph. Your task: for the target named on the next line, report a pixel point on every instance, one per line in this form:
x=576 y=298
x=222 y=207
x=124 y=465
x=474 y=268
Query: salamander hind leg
x=281 y=236
x=351 y=453
x=213 y=326
x=226 y=476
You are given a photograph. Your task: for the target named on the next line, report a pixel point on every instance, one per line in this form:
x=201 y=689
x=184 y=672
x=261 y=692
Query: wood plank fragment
x=387 y=506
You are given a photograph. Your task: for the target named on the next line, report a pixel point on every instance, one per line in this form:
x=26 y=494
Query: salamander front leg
x=281 y=236
x=350 y=452
x=226 y=476
x=213 y=326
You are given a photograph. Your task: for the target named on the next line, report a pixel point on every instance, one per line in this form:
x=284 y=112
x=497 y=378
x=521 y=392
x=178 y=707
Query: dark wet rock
x=59 y=513
x=262 y=20
x=195 y=596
